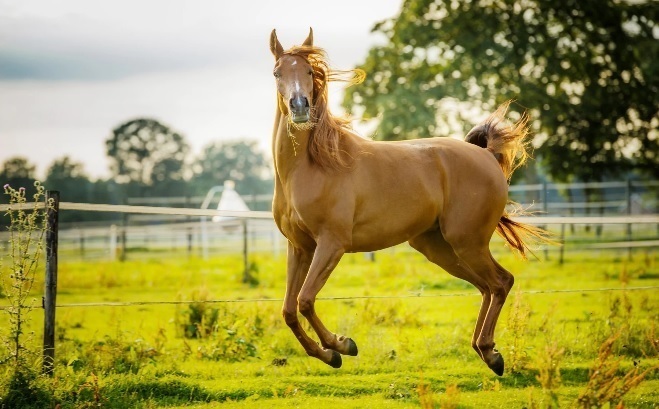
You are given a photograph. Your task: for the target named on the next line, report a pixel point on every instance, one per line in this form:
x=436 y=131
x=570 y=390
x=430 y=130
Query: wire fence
x=339 y=298
x=120 y=236
x=255 y=231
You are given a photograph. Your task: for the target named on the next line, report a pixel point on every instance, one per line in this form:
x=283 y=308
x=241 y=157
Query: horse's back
x=452 y=161
x=414 y=184
x=475 y=190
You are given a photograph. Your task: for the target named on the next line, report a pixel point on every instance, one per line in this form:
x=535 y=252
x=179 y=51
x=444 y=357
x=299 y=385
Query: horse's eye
x=310 y=72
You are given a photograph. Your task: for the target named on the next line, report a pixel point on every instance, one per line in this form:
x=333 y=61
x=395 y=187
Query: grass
x=413 y=351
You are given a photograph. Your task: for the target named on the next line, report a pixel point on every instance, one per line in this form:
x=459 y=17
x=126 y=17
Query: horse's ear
x=309 y=41
x=275 y=46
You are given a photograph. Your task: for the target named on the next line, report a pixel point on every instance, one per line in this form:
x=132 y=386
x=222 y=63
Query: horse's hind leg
x=433 y=245
x=506 y=276
x=474 y=264
x=499 y=282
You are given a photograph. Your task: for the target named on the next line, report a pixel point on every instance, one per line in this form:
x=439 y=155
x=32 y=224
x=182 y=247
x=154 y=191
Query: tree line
x=147 y=159
x=585 y=70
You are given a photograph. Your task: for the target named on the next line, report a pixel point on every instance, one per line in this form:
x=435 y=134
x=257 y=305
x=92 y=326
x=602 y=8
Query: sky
x=72 y=70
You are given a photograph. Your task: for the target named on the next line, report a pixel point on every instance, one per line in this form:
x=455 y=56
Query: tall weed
x=225 y=333
x=27 y=226
x=606 y=385
x=518 y=322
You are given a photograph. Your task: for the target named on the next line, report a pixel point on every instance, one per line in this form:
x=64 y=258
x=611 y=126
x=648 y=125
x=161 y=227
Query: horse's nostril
x=299 y=102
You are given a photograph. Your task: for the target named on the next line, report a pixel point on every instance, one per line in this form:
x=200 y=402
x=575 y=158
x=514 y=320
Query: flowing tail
x=509 y=145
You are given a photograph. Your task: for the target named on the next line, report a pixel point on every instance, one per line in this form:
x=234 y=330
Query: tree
x=66 y=168
x=19 y=173
x=586 y=70
x=69 y=177
x=240 y=161
x=168 y=178
x=139 y=150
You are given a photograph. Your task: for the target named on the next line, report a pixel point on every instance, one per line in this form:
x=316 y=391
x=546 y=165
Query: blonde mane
x=324 y=146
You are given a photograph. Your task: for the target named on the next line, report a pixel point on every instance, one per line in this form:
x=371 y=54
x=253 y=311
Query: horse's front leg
x=297 y=267
x=327 y=255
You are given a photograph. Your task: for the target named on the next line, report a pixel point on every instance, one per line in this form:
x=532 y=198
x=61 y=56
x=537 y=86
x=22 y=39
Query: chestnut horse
x=337 y=193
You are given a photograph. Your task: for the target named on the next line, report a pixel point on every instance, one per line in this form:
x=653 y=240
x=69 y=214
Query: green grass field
x=413 y=335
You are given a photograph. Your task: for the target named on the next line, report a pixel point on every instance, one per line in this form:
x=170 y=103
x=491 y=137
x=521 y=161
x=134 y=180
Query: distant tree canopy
x=148 y=160
x=240 y=161
x=69 y=177
x=586 y=69
x=144 y=151
x=17 y=172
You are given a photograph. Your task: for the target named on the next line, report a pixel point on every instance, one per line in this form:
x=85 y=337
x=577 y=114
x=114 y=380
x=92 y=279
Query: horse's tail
x=509 y=145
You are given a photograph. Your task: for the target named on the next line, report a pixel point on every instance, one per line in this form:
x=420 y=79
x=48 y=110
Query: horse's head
x=295 y=82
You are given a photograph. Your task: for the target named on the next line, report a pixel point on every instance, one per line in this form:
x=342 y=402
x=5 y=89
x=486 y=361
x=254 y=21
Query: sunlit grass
x=423 y=331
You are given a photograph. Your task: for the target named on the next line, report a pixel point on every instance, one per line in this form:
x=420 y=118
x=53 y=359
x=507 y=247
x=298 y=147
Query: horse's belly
x=391 y=229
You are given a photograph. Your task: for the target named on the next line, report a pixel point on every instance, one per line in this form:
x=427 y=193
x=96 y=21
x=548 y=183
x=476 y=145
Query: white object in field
x=230 y=200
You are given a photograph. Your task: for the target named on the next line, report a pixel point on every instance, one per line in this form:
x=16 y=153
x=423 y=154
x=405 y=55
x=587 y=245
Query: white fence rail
x=255 y=230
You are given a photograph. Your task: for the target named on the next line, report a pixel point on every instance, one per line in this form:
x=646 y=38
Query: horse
x=336 y=192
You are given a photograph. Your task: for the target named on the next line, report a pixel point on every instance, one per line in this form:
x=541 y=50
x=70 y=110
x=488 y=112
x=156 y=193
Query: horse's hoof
x=352 y=348
x=336 y=360
x=497 y=366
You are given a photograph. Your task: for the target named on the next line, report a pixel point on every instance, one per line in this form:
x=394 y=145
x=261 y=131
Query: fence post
x=246 y=274
x=113 y=242
x=50 y=285
x=188 y=220
x=562 y=249
x=82 y=243
x=122 y=253
x=629 y=212
x=545 y=210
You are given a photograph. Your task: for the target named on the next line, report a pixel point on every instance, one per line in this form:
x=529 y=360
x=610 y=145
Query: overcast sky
x=71 y=70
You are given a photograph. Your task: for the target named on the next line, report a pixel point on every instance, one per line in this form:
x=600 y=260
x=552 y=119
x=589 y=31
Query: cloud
x=71 y=70
x=82 y=40
x=69 y=49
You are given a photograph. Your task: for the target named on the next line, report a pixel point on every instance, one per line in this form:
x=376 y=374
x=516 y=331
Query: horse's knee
x=305 y=306
x=499 y=291
x=507 y=279
x=290 y=317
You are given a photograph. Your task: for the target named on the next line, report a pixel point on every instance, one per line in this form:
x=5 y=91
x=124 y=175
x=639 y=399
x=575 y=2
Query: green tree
x=144 y=152
x=168 y=178
x=240 y=161
x=586 y=69
x=18 y=172
x=69 y=177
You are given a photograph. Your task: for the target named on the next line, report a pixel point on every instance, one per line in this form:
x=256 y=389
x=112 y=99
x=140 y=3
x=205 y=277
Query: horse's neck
x=289 y=148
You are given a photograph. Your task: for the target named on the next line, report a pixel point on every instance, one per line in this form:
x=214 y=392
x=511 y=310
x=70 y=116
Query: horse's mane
x=324 y=146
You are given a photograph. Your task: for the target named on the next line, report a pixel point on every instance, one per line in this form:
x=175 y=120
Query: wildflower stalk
x=27 y=225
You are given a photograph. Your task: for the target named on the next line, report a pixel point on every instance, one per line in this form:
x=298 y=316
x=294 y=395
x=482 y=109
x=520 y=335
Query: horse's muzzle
x=299 y=109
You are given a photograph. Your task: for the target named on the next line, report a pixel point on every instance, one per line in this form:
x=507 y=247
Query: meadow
x=412 y=322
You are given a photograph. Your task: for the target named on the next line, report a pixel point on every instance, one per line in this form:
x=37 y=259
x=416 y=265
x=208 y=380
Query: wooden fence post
x=629 y=192
x=82 y=243
x=247 y=277
x=124 y=249
x=545 y=210
x=562 y=248
x=50 y=291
